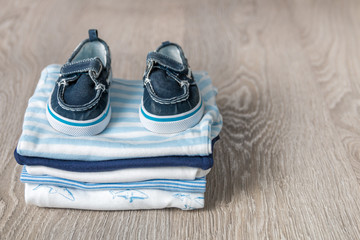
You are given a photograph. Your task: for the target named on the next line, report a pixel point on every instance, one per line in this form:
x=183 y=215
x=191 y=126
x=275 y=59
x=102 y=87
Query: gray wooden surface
x=288 y=74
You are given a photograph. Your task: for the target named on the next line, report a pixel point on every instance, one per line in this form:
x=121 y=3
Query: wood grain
x=288 y=163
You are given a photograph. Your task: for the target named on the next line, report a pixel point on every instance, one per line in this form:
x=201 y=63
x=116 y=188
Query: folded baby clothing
x=62 y=197
x=203 y=162
x=122 y=175
x=124 y=167
x=196 y=185
x=124 y=137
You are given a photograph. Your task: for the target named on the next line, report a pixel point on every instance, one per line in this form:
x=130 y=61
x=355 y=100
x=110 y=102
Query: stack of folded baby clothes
x=126 y=166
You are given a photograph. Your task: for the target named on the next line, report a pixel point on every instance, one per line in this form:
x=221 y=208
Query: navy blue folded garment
x=203 y=162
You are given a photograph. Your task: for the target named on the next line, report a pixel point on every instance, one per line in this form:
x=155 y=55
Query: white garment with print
x=62 y=197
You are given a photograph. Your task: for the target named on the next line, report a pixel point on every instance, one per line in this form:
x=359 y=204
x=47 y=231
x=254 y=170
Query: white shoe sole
x=172 y=123
x=79 y=128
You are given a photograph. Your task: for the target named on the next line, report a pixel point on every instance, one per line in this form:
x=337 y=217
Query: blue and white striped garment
x=125 y=137
x=198 y=185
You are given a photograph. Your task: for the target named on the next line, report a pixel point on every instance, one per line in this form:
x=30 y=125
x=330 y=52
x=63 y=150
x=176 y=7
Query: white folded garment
x=195 y=186
x=122 y=175
x=62 y=197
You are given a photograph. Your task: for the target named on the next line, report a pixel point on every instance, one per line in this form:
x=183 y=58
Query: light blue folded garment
x=198 y=185
x=125 y=137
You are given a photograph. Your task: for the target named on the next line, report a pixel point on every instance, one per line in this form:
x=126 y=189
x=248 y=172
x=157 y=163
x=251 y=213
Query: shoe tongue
x=81 y=91
x=165 y=61
x=163 y=85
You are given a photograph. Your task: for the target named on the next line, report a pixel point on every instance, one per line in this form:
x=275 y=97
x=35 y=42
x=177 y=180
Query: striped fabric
x=124 y=137
x=198 y=185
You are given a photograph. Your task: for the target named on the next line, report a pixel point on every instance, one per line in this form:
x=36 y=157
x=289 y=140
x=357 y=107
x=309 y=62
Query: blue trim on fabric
x=196 y=181
x=166 y=188
x=197 y=185
x=180 y=183
x=170 y=119
x=25 y=178
x=186 y=183
x=79 y=124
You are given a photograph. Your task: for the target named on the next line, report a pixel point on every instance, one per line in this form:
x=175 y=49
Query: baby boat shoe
x=79 y=104
x=171 y=100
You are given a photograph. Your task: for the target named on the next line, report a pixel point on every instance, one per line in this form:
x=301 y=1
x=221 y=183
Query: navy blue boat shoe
x=171 y=101
x=79 y=104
